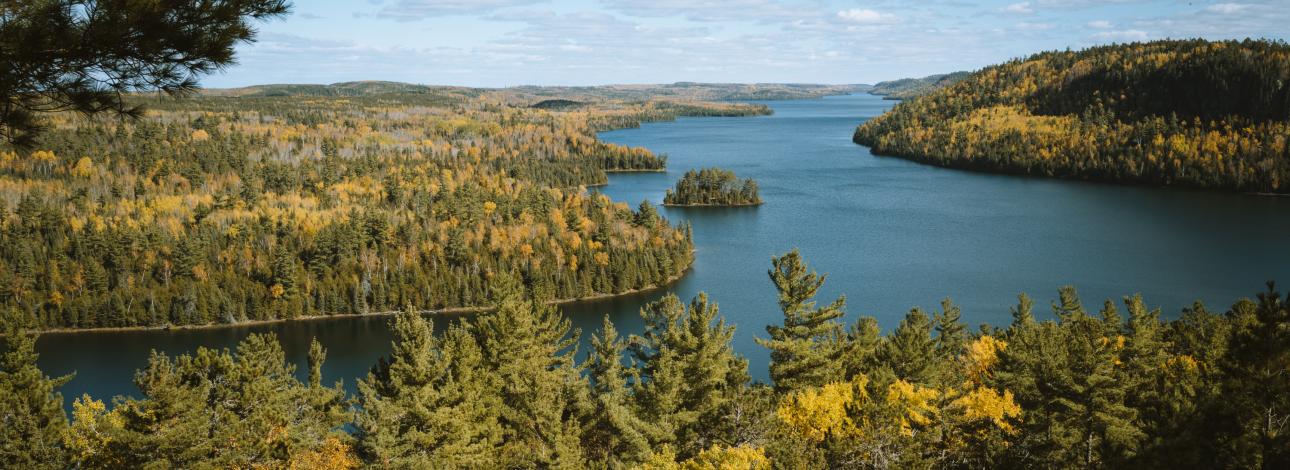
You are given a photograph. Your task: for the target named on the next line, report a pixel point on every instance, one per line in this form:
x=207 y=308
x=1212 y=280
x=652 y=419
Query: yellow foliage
x=89 y=434
x=981 y=356
x=601 y=258
x=84 y=168
x=914 y=403
x=817 y=412
x=728 y=458
x=331 y=455
x=200 y=135
x=985 y=403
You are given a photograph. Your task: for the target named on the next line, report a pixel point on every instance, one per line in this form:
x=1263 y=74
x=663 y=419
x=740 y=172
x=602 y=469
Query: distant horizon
x=509 y=43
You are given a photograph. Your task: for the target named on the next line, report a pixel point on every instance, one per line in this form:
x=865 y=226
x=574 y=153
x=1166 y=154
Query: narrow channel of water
x=892 y=234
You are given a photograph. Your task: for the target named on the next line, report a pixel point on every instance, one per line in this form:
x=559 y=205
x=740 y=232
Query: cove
x=892 y=234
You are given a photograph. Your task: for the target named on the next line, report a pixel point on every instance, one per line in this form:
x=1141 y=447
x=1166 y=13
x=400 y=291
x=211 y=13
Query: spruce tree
x=31 y=409
x=804 y=349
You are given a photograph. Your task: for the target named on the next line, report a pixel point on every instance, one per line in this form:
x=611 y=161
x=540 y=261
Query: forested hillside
x=1177 y=113
x=906 y=88
x=1074 y=388
x=227 y=210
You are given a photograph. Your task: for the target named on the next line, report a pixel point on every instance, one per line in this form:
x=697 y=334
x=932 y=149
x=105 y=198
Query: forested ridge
x=1114 y=388
x=1189 y=113
x=225 y=210
x=712 y=187
x=907 y=88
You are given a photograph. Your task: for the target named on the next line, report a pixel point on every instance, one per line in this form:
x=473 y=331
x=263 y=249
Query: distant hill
x=1188 y=113
x=910 y=87
x=361 y=88
x=566 y=94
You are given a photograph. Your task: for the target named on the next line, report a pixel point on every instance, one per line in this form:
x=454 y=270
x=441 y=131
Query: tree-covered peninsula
x=1191 y=113
x=712 y=187
x=333 y=201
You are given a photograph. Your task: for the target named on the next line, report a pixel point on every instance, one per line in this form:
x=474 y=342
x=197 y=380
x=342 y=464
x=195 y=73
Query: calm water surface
x=891 y=234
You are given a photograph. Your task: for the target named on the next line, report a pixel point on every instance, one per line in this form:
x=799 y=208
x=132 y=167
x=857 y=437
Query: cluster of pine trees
x=1189 y=113
x=225 y=210
x=507 y=390
x=712 y=187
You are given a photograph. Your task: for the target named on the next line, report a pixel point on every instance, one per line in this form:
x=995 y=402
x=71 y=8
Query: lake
x=892 y=235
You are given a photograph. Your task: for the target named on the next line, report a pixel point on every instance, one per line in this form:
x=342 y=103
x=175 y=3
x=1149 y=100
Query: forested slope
x=1178 y=113
x=227 y=210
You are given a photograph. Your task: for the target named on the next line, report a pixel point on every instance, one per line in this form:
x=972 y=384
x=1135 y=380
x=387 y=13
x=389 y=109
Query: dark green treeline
x=1113 y=388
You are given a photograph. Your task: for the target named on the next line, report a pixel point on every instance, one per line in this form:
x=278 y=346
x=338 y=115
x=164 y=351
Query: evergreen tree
x=910 y=351
x=689 y=372
x=1256 y=390
x=530 y=350
x=215 y=409
x=616 y=437
x=31 y=409
x=428 y=403
x=804 y=350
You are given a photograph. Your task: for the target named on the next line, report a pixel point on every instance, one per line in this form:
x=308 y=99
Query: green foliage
x=86 y=55
x=805 y=350
x=227 y=210
x=504 y=390
x=1190 y=113
x=712 y=187
x=31 y=410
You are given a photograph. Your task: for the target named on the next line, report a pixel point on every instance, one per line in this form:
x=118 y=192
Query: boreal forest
x=134 y=204
x=1184 y=113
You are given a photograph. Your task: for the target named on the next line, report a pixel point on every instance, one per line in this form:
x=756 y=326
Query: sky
x=499 y=43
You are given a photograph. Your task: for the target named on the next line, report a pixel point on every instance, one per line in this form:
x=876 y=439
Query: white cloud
x=1227 y=8
x=1100 y=24
x=1022 y=8
x=865 y=16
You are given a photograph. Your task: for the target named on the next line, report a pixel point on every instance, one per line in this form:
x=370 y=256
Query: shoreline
x=749 y=204
x=442 y=311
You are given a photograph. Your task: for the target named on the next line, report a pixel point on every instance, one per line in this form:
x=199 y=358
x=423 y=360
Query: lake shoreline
x=442 y=311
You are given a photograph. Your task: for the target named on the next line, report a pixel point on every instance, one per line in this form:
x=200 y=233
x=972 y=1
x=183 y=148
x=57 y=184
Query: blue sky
x=495 y=43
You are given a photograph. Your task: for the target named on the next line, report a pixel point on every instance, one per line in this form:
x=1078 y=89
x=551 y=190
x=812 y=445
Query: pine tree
x=805 y=349
x=951 y=333
x=910 y=350
x=218 y=409
x=616 y=437
x=530 y=349
x=689 y=372
x=428 y=404
x=31 y=409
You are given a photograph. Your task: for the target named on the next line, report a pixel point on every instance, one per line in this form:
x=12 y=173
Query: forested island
x=1115 y=388
x=712 y=187
x=247 y=207
x=1186 y=113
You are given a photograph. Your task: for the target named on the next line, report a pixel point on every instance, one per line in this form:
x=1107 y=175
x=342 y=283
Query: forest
x=224 y=209
x=712 y=187
x=1183 y=113
x=1075 y=388
x=907 y=88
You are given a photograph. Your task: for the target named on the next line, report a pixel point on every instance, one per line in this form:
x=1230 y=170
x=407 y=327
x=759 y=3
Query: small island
x=713 y=187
